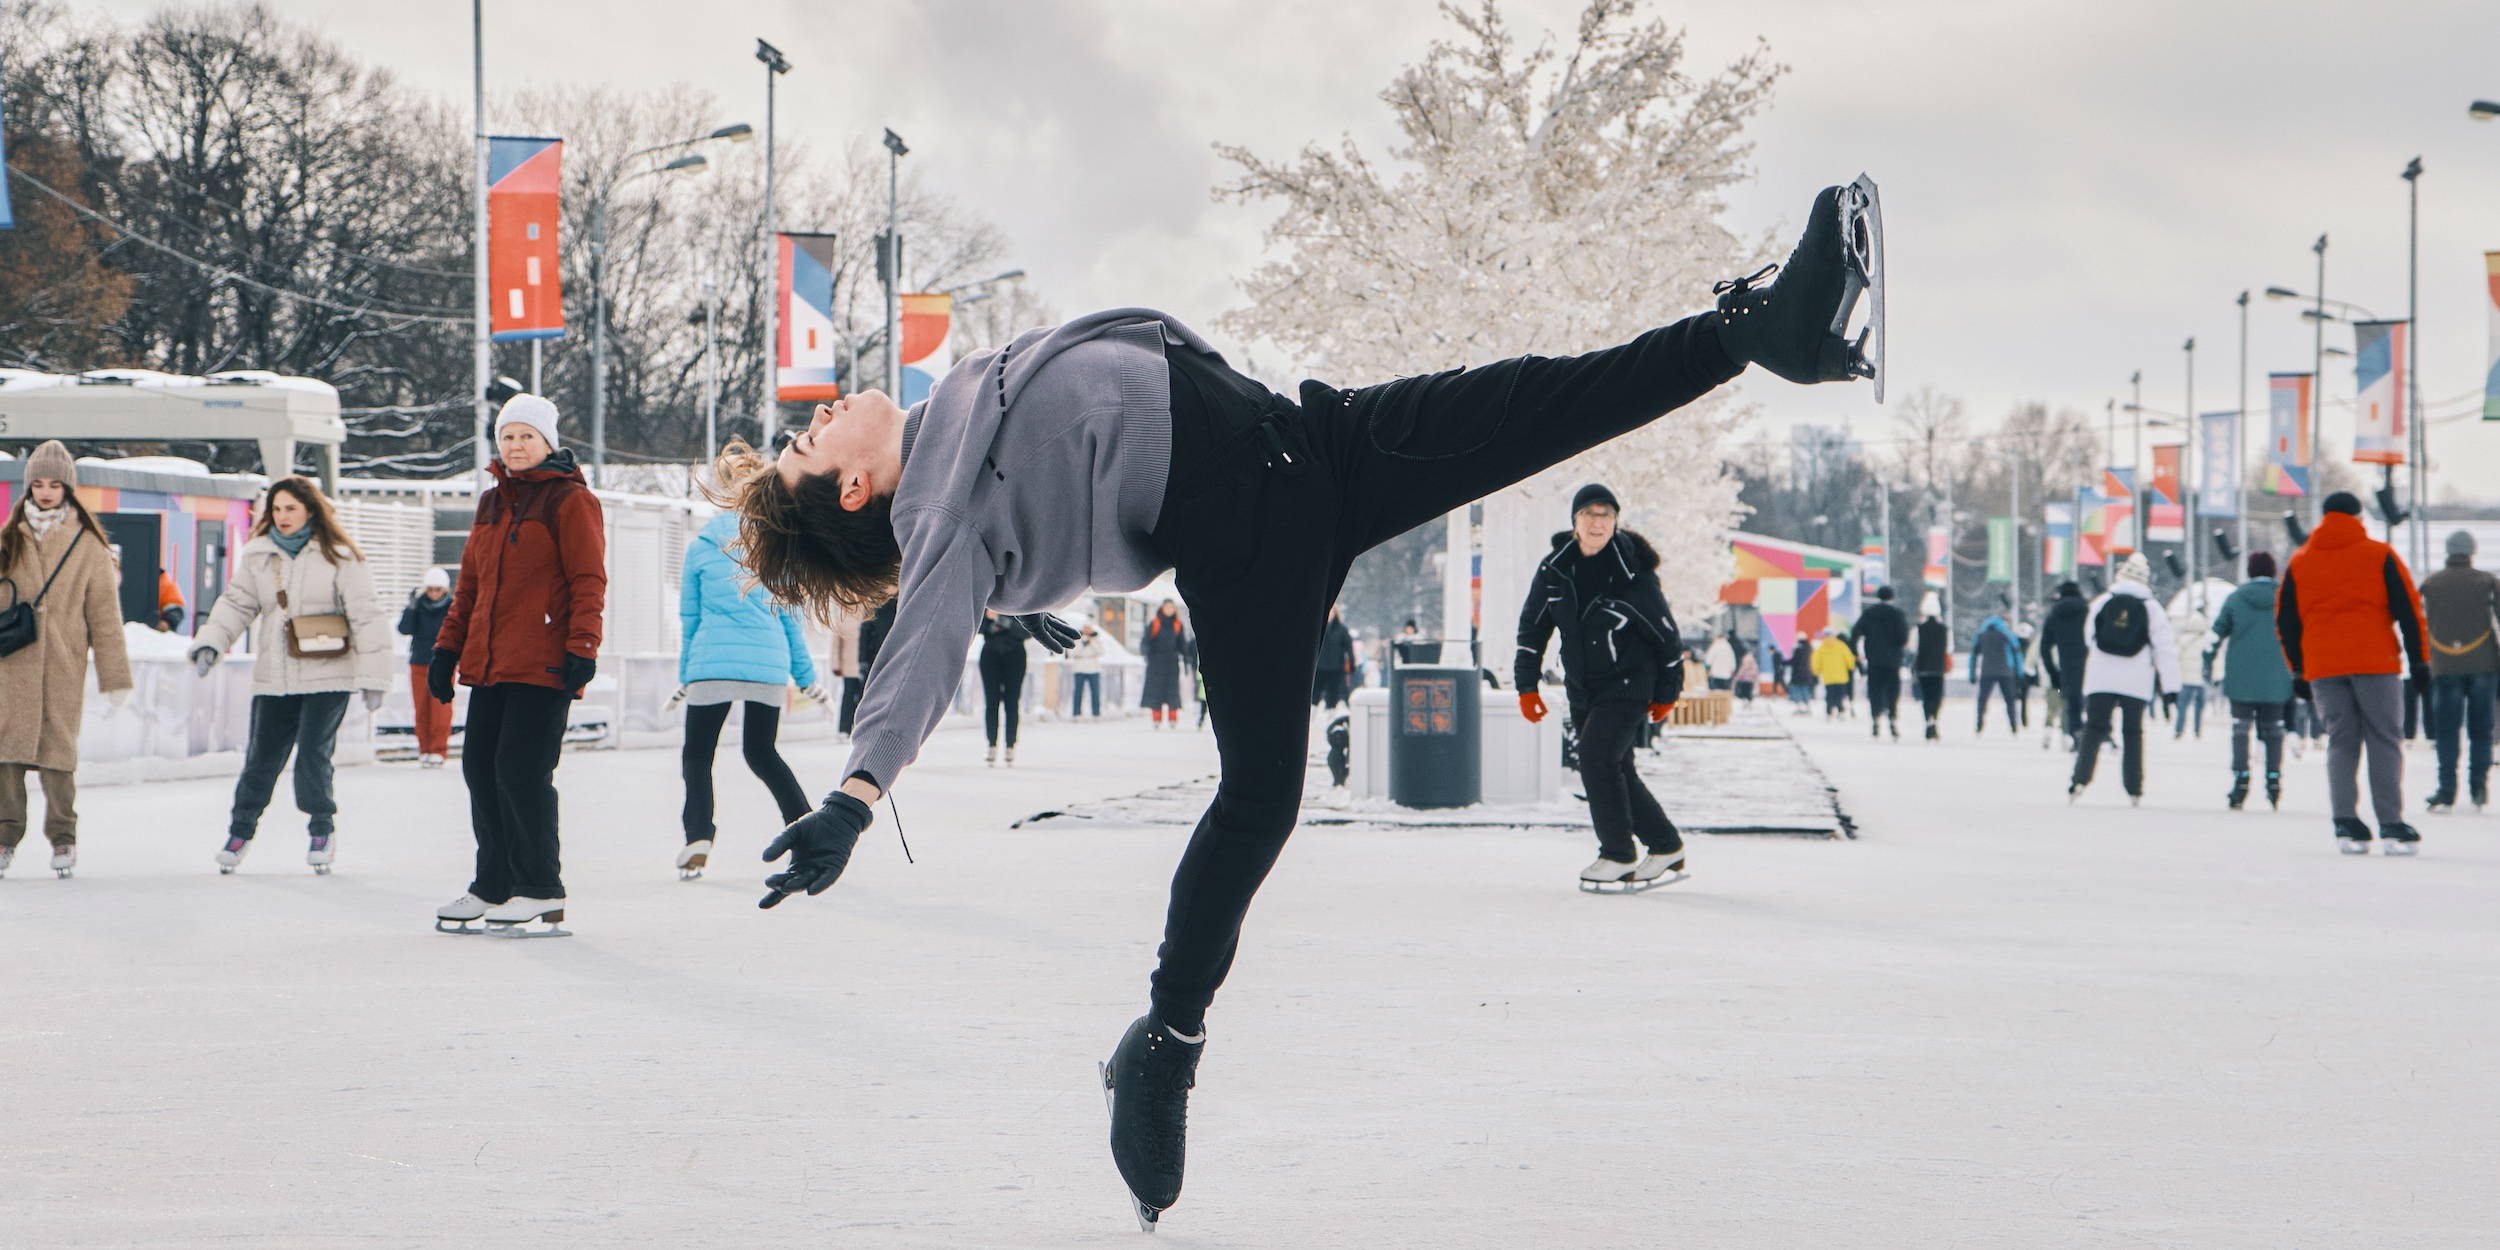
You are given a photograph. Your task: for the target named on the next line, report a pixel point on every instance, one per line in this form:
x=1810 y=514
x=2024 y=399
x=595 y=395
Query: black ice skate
x=2351 y=836
x=1797 y=327
x=2399 y=838
x=1147 y=1083
x=2239 y=790
x=2274 y=791
x=2443 y=801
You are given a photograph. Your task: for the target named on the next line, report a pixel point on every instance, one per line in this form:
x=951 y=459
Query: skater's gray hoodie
x=1030 y=475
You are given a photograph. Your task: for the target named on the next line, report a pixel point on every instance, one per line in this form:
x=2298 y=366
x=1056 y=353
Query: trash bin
x=1435 y=736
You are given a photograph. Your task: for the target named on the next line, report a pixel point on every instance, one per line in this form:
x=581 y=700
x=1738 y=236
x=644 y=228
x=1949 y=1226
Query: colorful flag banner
x=1938 y=552
x=2165 y=521
x=1874 y=571
x=1795 y=588
x=524 y=182
x=2092 y=540
x=2287 y=433
x=805 y=366
x=2491 y=306
x=926 y=321
x=2117 y=510
x=2378 y=370
x=2000 y=549
x=2217 y=464
x=2057 y=540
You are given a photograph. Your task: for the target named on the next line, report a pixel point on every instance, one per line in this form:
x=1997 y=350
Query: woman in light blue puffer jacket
x=739 y=647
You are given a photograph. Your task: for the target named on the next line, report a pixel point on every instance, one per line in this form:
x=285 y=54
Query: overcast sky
x=2071 y=189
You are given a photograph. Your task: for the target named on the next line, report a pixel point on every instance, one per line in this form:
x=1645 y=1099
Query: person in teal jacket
x=739 y=647
x=2254 y=677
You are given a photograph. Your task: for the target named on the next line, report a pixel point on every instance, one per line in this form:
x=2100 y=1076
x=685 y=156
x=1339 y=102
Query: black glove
x=438 y=674
x=1048 y=630
x=2421 y=675
x=819 y=846
x=2300 y=688
x=578 y=670
x=2169 y=704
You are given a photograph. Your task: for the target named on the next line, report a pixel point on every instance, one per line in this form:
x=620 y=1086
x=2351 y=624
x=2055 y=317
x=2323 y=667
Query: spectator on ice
x=2346 y=600
x=2132 y=646
x=737 y=649
x=421 y=620
x=2254 y=677
x=1835 y=665
x=2462 y=606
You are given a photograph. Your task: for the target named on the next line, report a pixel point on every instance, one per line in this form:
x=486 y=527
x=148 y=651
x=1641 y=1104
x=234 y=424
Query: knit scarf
x=41 y=520
x=291 y=544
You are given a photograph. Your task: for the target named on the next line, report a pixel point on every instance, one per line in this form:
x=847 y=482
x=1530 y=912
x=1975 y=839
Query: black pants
x=2071 y=690
x=1930 y=695
x=2267 y=718
x=2097 y=709
x=306 y=725
x=694 y=763
x=1620 y=806
x=1002 y=692
x=1883 y=692
x=2003 y=685
x=1269 y=502
x=1328 y=688
x=851 y=686
x=508 y=756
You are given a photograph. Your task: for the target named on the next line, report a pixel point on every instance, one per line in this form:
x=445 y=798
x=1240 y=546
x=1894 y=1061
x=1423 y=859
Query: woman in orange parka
x=523 y=634
x=2344 y=600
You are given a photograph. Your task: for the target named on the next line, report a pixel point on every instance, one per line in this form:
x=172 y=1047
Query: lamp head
x=771 y=57
x=735 y=132
x=2413 y=169
x=694 y=162
x=2281 y=292
x=894 y=144
x=2483 y=110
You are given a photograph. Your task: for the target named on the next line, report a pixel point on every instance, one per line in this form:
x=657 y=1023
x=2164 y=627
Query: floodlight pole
x=480 y=347
x=768 y=416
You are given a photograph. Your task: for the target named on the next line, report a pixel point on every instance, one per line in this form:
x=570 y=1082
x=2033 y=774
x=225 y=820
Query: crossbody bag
x=314 y=637
x=17 y=621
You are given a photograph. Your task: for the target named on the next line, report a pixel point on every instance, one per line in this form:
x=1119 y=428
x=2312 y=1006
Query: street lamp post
x=598 y=275
x=2239 y=443
x=2418 y=452
x=768 y=410
x=890 y=263
x=481 y=348
x=2135 y=463
x=2317 y=368
x=2187 y=471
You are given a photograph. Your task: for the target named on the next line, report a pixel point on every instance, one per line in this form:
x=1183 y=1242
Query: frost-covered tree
x=1546 y=201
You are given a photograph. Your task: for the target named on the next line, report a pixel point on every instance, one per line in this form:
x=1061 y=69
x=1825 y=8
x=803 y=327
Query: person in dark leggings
x=1935 y=652
x=1002 y=681
x=1103 y=451
x=1623 y=666
x=758 y=742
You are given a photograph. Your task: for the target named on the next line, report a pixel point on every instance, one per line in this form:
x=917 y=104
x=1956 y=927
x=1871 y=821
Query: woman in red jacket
x=523 y=635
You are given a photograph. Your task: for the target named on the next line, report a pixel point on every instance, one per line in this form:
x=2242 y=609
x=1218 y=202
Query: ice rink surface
x=1995 y=1020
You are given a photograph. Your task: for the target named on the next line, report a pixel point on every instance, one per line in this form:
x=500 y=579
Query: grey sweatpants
x=2364 y=710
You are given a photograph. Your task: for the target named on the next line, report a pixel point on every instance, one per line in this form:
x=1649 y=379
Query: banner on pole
x=2217 y=464
x=2379 y=435
x=1874 y=567
x=2092 y=540
x=2491 y=311
x=2117 y=511
x=2287 y=433
x=926 y=322
x=524 y=182
x=1938 y=552
x=2000 y=549
x=805 y=367
x=2057 y=540
x=2165 y=520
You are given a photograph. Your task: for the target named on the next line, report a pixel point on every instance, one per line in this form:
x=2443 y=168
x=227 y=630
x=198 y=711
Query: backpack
x=2123 y=626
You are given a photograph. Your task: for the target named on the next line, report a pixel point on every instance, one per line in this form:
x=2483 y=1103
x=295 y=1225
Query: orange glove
x=1532 y=706
x=1658 y=712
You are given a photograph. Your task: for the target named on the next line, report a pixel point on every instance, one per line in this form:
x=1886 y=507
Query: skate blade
x=690 y=874
x=2352 y=846
x=1862 y=234
x=1146 y=1215
x=518 y=931
x=2401 y=848
x=454 y=926
x=1631 y=887
x=321 y=870
x=62 y=873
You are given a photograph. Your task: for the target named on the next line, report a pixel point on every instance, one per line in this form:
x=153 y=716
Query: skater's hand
x=675 y=700
x=203 y=659
x=819 y=846
x=1049 y=631
x=118 y=698
x=1658 y=712
x=2300 y=688
x=373 y=700
x=1532 y=706
x=2169 y=704
x=817 y=694
x=2421 y=675
x=439 y=672
x=578 y=670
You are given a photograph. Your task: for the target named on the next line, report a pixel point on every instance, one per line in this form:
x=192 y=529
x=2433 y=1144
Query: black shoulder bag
x=17 y=621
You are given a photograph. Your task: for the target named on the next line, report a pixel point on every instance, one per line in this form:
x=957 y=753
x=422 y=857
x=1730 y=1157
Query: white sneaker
x=429 y=761
x=1011 y=757
x=508 y=919
x=231 y=855
x=991 y=759
x=460 y=912
x=1608 y=871
x=1655 y=865
x=691 y=859
x=64 y=859
x=322 y=852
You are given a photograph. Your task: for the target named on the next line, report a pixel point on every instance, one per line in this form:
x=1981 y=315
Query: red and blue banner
x=805 y=367
x=2165 y=520
x=2379 y=434
x=927 y=320
x=2057 y=540
x=2287 y=433
x=524 y=184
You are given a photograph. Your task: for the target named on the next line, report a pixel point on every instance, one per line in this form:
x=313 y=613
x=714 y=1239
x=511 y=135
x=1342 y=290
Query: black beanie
x=1884 y=593
x=1594 y=494
x=2344 y=501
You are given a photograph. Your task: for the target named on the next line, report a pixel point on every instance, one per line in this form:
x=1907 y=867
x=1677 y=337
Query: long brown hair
x=802 y=546
x=323 y=520
x=17 y=538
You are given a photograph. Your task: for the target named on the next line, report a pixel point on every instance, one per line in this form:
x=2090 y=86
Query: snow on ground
x=1993 y=1020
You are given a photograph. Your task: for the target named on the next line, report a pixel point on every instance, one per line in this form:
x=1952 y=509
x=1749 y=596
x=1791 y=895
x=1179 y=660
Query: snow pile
x=148 y=644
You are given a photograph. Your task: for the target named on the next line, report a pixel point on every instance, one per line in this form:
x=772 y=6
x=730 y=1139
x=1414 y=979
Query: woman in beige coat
x=43 y=686
x=298 y=568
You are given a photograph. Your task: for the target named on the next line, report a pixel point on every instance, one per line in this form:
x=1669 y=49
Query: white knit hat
x=534 y=411
x=437 y=579
x=2136 y=569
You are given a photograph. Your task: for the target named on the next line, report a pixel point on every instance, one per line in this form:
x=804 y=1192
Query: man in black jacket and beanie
x=1623 y=666
x=2063 y=648
x=1880 y=636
